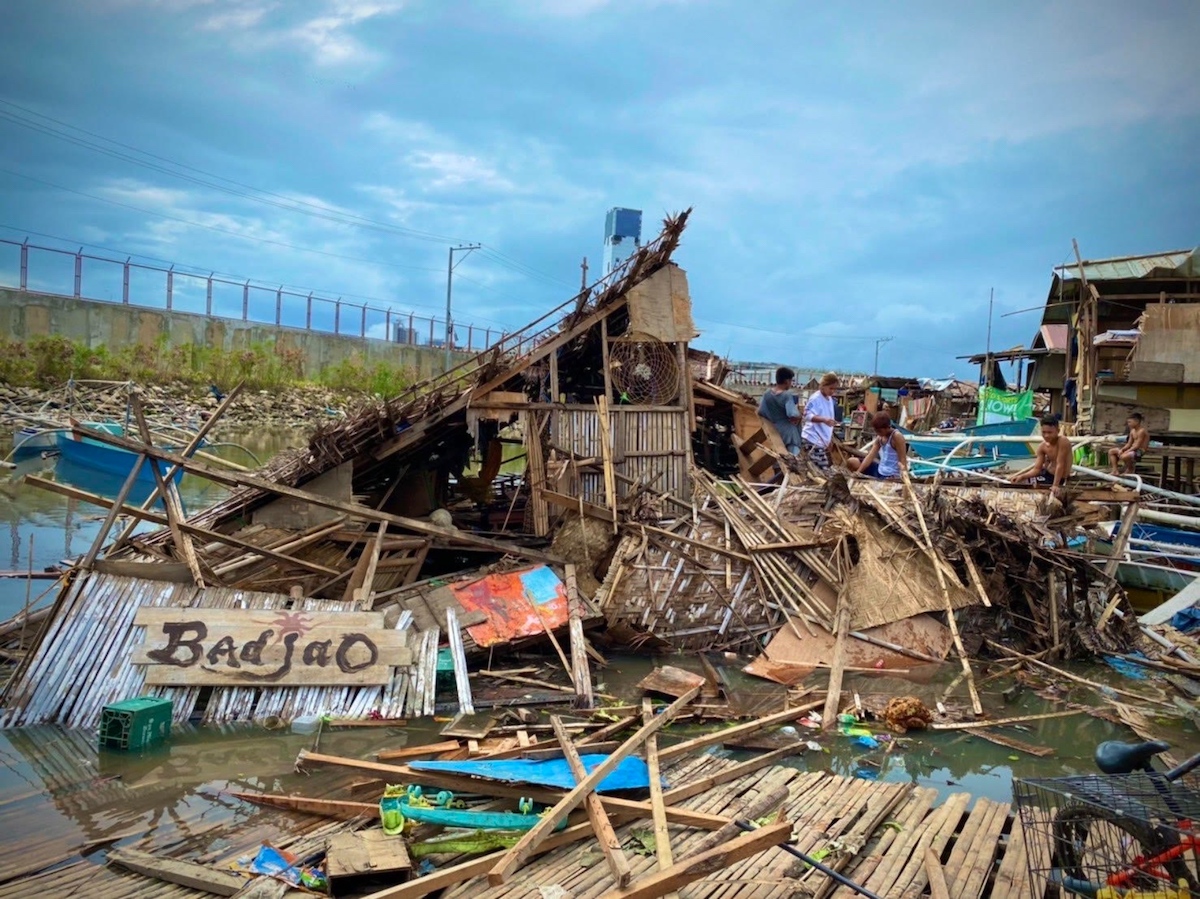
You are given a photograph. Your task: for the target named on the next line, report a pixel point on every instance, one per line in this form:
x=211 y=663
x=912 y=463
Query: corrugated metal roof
x=1176 y=264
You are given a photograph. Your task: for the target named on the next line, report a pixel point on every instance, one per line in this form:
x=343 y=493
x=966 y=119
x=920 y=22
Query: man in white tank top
x=888 y=453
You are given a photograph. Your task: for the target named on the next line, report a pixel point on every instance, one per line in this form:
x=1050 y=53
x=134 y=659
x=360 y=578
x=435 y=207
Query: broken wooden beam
x=606 y=837
x=354 y=510
x=156 y=518
x=519 y=853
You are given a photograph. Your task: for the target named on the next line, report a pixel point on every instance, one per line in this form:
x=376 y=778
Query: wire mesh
x=1132 y=836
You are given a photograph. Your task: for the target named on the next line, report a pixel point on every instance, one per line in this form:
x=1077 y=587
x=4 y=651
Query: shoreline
x=300 y=407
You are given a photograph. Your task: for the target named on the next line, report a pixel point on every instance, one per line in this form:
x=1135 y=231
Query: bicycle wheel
x=1096 y=847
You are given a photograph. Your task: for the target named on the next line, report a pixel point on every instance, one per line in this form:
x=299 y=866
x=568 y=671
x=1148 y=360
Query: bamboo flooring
x=876 y=833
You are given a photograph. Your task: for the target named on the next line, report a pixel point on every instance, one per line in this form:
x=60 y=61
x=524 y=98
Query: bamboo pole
x=976 y=705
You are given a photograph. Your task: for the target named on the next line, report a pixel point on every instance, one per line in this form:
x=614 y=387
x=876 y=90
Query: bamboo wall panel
x=84 y=661
x=647 y=441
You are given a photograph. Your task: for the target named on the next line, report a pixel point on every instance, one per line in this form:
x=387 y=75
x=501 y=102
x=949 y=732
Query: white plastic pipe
x=1183 y=521
x=1140 y=486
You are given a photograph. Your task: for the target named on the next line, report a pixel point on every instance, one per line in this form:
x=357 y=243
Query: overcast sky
x=857 y=170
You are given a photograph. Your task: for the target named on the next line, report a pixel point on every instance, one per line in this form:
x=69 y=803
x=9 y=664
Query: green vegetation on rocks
x=47 y=361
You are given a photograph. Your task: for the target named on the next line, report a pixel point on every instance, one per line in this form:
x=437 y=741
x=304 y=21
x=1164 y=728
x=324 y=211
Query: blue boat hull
x=88 y=453
x=1027 y=427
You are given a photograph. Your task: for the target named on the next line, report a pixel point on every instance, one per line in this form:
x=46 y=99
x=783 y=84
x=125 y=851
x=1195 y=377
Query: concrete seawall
x=25 y=315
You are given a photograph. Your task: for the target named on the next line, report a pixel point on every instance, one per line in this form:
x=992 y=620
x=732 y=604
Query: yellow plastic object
x=1115 y=893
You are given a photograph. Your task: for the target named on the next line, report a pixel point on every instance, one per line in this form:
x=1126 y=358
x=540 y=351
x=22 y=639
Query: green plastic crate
x=134 y=724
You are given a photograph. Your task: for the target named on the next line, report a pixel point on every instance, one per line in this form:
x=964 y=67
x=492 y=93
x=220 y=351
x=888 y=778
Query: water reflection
x=63 y=529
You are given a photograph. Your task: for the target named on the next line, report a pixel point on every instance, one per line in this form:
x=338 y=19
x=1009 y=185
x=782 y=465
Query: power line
x=288 y=203
x=219 y=230
x=259 y=195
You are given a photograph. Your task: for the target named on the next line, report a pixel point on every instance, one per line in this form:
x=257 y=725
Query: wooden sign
x=266 y=647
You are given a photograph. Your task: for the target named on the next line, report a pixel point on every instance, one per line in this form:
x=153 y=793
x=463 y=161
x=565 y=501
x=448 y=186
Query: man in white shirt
x=819 y=421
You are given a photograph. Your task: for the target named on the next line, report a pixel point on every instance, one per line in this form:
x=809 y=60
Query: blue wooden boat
x=1022 y=427
x=630 y=774
x=445 y=811
x=86 y=452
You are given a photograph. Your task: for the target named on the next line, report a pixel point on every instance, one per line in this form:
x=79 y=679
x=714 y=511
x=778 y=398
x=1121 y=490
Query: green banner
x=1003 y=405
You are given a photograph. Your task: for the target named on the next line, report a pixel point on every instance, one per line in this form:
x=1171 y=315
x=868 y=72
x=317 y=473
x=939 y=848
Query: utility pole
x=987 y=357
x=449 y=289
x=878 y=341
x=583 y=280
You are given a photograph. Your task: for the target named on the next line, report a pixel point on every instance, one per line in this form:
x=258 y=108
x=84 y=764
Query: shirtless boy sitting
x=1052 y=465
x=1123 y=459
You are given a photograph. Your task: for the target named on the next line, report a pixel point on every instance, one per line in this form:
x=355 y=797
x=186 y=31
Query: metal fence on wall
x=115 y=280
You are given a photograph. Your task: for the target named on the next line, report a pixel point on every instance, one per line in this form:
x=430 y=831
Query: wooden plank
x=367 y=853
x=341 y=809
x=574 y=504
x=610 y=481
x=416 y=752
x=458 y=653
x=1010 y=743
x=1019 y=719
x=171 y=500
x=700 y=866
x=113 y=512
x=157 y=518
x=188 y=450
x=1120 y=542
x=354 y=510
x=662 y=837
x=610 y=846
x=187 y=874
x=741 y=730
x=581 y=671
x=671 y=680
x=361 y=591
x=523 y=849
x=263 y=647
x=937 y=877
x=536 y=468
x=833 y=697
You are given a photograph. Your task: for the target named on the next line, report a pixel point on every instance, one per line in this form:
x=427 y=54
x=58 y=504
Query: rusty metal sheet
x=516 y=604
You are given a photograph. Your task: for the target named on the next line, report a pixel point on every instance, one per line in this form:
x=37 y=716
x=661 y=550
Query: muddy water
x=77 y=797
x=59 y=785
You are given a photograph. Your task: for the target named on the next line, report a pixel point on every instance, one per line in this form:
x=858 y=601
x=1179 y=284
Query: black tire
x=1092 y=843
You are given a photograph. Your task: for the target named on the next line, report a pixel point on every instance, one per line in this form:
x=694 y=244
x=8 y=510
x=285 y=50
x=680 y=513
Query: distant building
x=622 y=236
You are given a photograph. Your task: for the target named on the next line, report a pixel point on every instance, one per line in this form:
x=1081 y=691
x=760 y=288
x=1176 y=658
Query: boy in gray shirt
x=778 y=406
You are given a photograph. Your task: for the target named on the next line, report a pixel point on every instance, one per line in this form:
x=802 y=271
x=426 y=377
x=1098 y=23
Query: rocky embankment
x=183 y=405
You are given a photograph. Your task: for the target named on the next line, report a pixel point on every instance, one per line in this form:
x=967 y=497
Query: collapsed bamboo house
x=654 y=503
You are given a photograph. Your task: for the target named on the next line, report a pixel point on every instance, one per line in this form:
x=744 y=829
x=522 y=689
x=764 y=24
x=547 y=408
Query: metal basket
x=1129 y=836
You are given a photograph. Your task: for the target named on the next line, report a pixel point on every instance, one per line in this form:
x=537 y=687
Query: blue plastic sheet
x=630 y=774
x=1127 y=668
x=1186 y=621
